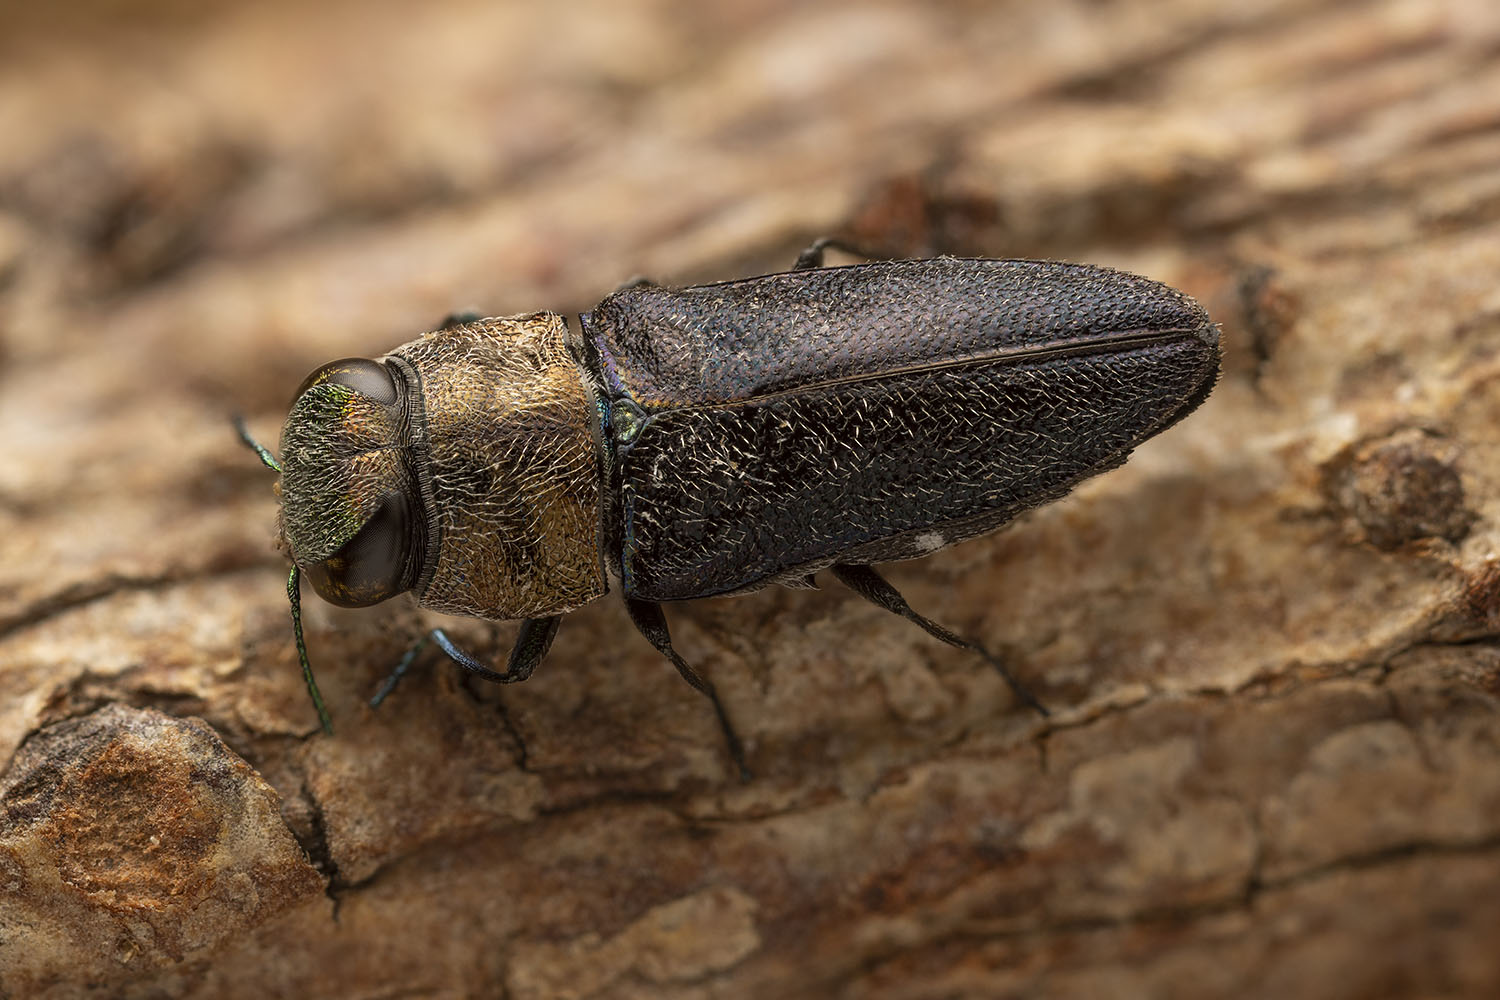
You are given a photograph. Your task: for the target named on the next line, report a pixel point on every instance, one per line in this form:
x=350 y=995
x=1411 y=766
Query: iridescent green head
x=352 y=513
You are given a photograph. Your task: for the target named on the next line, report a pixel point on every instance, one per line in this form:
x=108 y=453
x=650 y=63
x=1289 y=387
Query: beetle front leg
x=653 y=625
x=532 y=643
x=873 y=587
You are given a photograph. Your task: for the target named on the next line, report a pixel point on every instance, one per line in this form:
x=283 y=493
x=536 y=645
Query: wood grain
x=1271 y=641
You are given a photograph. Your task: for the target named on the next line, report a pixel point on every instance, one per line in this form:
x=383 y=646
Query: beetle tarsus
x=652 y=623
x=873 y=587
x=812 y=257
x=389 y=684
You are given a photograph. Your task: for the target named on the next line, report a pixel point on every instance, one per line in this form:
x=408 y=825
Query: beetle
x=715 y=439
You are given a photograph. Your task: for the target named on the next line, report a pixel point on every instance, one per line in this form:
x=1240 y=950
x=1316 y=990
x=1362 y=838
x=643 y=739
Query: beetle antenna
x=294 y=595
x=293 y=586
x=267 y=459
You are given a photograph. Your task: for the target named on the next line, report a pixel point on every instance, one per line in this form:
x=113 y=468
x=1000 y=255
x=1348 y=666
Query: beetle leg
x=873 y=587
x=459 y=319
x=532 y=643
x=636 y=281
x=812 y=257
x=653 y=625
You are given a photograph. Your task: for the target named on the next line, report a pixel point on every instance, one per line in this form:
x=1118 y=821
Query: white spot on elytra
x=930 y=542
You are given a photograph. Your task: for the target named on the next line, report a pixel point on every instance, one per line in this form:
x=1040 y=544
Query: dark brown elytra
x=716 y=439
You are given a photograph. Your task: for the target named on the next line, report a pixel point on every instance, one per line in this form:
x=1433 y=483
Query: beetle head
x=351 y=513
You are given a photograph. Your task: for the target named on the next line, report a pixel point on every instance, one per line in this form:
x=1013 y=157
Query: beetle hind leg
x=873 y=587
x=652 y=623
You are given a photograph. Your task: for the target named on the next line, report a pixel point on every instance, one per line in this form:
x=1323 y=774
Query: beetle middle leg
x=532 y=643
x=873 y=587
x=653 y=625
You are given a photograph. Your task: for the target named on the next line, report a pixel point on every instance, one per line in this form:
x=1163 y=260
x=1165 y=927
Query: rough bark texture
x=1272 y=641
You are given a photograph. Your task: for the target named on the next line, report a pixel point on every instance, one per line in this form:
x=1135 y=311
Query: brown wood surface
x=1272 y=640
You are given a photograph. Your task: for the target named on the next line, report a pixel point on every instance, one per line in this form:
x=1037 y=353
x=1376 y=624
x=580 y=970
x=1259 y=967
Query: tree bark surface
x=1271 y=642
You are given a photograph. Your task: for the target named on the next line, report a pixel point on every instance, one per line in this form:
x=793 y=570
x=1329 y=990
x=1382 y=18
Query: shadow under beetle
x=691 y=442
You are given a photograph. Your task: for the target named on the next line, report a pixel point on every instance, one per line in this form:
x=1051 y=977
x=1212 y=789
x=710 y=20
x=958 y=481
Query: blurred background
x=1270 y=639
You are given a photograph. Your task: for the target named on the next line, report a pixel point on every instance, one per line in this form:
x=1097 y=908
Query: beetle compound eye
x=365 y=377
x=373 y=566
x=350 y=510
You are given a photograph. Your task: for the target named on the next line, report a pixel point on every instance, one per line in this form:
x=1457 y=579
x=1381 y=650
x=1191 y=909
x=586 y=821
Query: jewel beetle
x=711 y=440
